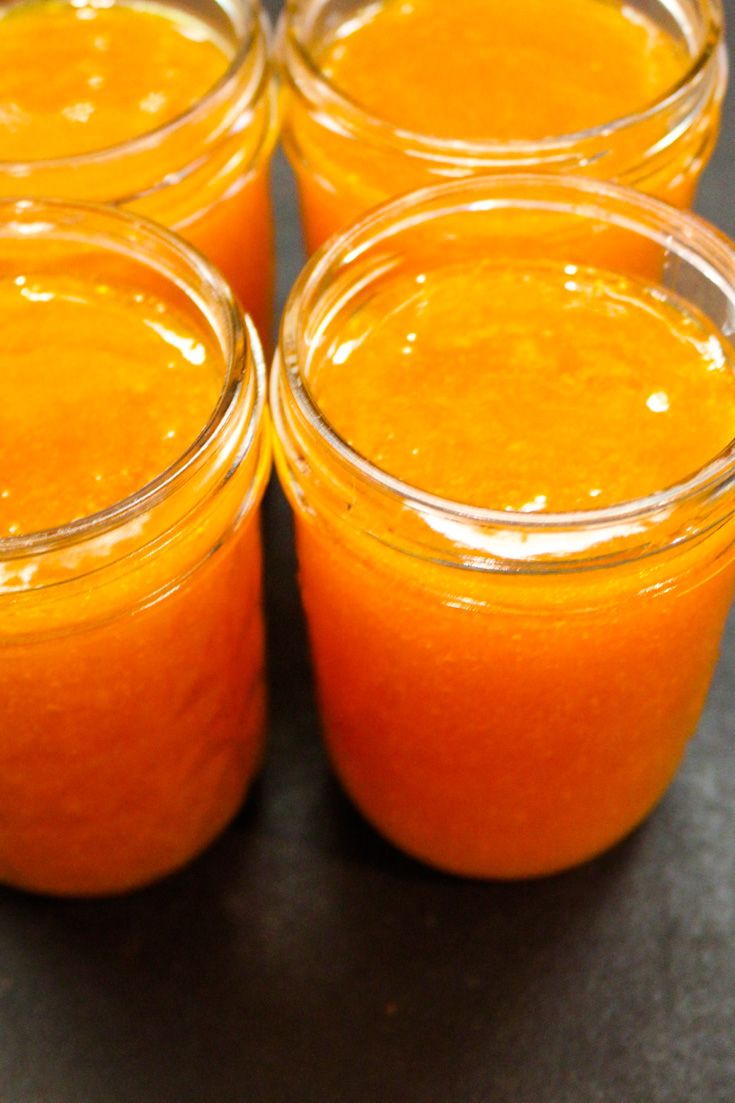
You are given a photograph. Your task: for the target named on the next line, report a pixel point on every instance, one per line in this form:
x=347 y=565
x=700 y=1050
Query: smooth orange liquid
x=552 y=389
x=114 y=73
x=81 y=429
x=515 y=724
x=131 y=690
x=482 y=70
x=127 y=69
x=486 y=69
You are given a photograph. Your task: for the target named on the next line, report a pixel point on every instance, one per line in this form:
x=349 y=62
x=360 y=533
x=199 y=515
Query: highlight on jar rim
x=504 y=692
x=131 y=663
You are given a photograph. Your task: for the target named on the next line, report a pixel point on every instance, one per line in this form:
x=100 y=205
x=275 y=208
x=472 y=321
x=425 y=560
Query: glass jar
x=503 y=694
x=204 y=173
x=347 y=160
x=131 y=641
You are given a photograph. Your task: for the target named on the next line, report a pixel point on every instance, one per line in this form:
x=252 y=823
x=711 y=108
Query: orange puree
x=486 y=376
x=479 y=69
x=114 y=73
x=491 y=713
x=127 y=69
x=488 y=72
x=66 y=445
x=131 y=687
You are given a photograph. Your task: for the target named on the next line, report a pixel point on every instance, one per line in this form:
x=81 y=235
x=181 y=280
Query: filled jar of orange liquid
x=132 y=462
x=390 y=96
x=166 y=108
x=510 y=455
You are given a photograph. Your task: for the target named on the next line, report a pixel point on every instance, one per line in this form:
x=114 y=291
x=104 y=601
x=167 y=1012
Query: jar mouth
x=253 y=28
x=495 y=152
x=129 y=234
x=579 y=196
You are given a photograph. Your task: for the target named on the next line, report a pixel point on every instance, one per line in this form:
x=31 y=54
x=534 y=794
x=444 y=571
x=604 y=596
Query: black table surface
x=303 y=959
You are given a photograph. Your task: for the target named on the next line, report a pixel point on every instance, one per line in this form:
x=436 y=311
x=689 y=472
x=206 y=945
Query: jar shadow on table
x=264 y=961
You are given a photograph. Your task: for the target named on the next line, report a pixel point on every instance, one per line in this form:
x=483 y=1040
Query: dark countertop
x=302 y=959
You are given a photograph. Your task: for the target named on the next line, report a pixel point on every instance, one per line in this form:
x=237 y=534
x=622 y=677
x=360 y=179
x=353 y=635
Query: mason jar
x=503 y=692
x=347 y=159
x=131 y=639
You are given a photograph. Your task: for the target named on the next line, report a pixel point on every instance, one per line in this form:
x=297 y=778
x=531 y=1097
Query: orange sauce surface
x=117 y=72
x=487 y=69
x=131 y=688
x=555 y=388
x=114 y=391
x=127 y=69
x=484 y=71
x=513 y=724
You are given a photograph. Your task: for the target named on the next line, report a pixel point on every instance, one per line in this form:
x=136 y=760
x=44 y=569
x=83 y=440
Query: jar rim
x=255 y=29
x=245 y=371
x=711 y=480
x=495 y=152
